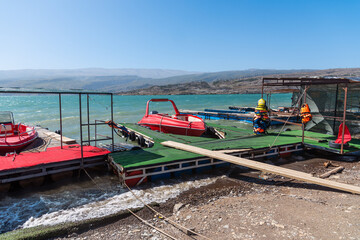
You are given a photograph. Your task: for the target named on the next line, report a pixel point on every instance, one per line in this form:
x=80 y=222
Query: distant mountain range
x=88 y=78
x=234 y=82
x=88 y=72
x=156 y=81
x=120 y=80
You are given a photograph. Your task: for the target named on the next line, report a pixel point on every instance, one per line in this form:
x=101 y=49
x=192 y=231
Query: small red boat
x=14 y=137
x=182 y=124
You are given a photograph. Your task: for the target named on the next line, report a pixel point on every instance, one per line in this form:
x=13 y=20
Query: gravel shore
x=243 y=205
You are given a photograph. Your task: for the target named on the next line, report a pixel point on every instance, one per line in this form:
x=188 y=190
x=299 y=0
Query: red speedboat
x=182 y=124
x=14 y=137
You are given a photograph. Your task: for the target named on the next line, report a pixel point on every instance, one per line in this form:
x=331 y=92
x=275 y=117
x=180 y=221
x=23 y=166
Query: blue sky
x=196 y=35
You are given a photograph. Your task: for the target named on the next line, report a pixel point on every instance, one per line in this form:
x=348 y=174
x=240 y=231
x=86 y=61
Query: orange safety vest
x=305 y=114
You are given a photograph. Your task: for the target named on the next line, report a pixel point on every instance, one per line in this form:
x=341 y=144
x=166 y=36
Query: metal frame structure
x=81 y=125
x=96 y=123
x=307 y=82
x=51 y=168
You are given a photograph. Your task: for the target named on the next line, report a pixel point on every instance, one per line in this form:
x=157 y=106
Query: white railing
x=20 y=134
x=29 y=132
x=5 y=130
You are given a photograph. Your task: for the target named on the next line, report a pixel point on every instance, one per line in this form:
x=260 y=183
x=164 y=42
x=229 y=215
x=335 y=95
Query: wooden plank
x=58 y=137
x=265 y=167
x=221 y=135
x=329 y=173
x=235 y=150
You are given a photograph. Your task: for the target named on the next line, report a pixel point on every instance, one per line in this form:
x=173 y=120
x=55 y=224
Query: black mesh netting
x=327 y=102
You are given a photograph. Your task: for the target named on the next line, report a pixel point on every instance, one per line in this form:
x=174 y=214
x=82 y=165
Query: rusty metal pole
x=112 y=120
x=81 y=132
x=61 y=131
x=88 y=116
x=302 y=124
x=262 y=88
x=269 y=101
x=335 y=111
x=344 y=119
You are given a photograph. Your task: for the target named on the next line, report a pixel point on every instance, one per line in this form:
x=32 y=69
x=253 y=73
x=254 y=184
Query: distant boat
x=182 y=124
x=14 y=137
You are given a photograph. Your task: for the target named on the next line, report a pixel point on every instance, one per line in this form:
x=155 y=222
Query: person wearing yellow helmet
x=261 y=119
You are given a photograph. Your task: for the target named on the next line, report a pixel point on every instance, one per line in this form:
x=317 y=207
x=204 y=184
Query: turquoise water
x=43 y=110
x=82 y=199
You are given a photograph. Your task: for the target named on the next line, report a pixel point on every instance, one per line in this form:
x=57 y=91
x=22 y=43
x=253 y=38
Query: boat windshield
x=6 y=117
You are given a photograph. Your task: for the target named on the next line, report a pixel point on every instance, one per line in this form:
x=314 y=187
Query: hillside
x=42 y=74
x=89 y=79
x=119 y=80
x=234 y=86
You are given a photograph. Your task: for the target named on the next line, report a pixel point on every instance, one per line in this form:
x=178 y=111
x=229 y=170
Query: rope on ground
x=150 y=225
x=165 y=218
x=134 y=214
x=97 y=186
x=282 y=128
x=44 y=145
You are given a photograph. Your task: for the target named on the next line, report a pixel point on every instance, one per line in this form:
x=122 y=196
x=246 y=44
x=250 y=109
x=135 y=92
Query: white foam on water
x=115 y=204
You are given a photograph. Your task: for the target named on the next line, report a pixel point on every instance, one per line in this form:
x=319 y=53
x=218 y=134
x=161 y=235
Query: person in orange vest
x=261 y=119
x=305 y=114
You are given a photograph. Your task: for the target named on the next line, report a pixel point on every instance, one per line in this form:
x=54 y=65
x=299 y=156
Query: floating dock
x=137 y=166
x=45 y=156
x=268 y=168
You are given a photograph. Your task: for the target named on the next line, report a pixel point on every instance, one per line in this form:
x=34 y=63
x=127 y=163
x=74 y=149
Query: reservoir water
x=44 y=109
x=78 y=200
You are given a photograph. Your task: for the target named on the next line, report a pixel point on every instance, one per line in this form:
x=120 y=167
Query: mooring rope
x=165 y=218
x=100 y=104
x=41 y=148
x=150 y=225
x=134 y=214
x=287 y=120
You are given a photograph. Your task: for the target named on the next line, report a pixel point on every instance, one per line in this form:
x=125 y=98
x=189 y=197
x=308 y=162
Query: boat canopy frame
x=161 y=100
x=12 y=121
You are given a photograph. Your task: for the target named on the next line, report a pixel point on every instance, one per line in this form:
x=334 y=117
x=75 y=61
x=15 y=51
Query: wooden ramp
x=57 y=137
x=265 y=167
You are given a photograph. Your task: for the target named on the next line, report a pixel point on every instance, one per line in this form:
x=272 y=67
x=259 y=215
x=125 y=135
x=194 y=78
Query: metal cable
x=94 y=101
x=287 y=120
x=165 y=218
x=135 y=215
x=150 y=225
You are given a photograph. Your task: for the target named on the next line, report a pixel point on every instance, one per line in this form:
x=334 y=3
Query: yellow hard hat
x=261 y=102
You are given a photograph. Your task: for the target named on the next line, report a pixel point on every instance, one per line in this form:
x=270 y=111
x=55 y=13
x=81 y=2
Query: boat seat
x=193 y=119
x=6 y=128
x=154 y=112
x=180 y=117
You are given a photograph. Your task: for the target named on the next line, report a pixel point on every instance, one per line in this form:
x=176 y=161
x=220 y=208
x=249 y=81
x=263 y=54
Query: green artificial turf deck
x=236 y=138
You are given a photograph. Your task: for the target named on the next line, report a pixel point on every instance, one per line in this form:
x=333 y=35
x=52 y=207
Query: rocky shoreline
x=243 y=205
